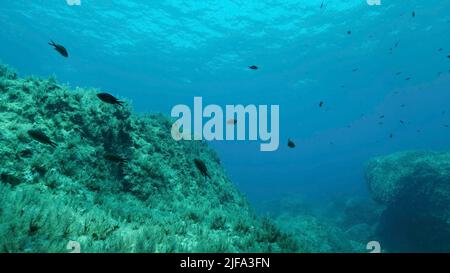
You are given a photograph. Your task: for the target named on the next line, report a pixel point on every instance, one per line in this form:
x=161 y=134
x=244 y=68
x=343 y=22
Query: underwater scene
x=224 y=126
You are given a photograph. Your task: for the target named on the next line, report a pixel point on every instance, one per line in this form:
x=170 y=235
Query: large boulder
x=415 y=188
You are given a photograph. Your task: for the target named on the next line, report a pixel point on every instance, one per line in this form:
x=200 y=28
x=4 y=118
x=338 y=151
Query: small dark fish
x=201 y=166
x=232 y=121
x=448 y=56
x=408 y=78
x=115 y=158
x=291 y=144
x=396 y=44
x=108 y=98
x=402 y=122
x=391 y=136
x=446 y=125
x=349 y=32
x=403 y=105
x=321 y=104
x=382 y=116
x=413 y=14
x=41 y=137
x=321 y=5
x=398 y=73
x=253 y=67
x=356 y=69
x=62 y=50
x=440 y=49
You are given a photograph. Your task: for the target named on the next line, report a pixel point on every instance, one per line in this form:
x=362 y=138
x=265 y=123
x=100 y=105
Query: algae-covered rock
x=415 y=188
x=389 y=176
x=321 y=230
x=113 y=181
x=317 y=236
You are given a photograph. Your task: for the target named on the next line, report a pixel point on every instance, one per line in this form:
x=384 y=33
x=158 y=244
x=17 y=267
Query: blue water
x=162 y=53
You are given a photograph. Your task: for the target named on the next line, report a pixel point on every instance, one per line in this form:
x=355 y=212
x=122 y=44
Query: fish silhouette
x=201 y=166
x=291 y=144
x=108 y=98
x=115 y=158
x=41 y=137
x=61 y=50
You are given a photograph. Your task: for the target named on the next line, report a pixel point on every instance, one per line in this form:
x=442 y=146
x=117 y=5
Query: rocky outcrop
x=113 y=181
x=415 y=188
